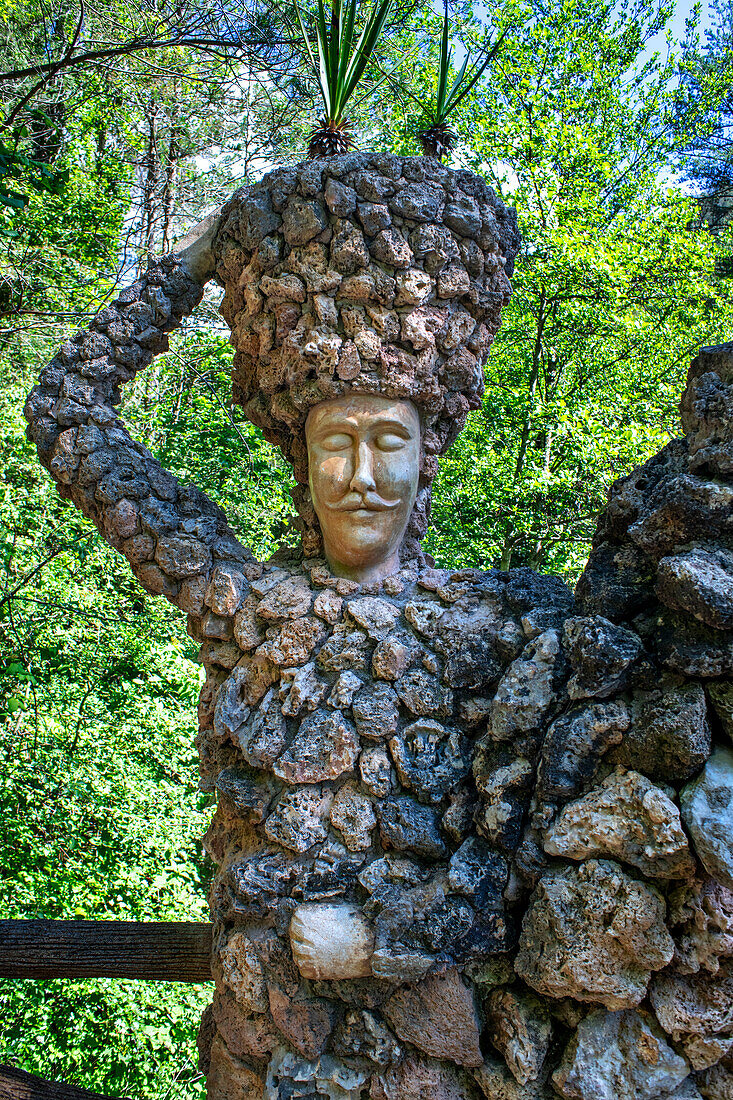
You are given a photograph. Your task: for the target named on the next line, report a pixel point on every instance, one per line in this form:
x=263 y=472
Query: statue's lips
x=365 y=504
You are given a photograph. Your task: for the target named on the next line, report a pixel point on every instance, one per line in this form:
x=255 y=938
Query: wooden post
x=157 y=951
x=15 y=1084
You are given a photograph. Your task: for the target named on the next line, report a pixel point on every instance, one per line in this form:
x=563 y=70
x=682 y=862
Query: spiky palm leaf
x=437 y=138
x=339 y=66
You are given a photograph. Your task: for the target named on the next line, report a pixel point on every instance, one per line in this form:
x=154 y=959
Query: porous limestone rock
x=420 y=1078
x=593 y=933
x=574 y=745
x=619 y=1056
x=669 y=736
x=707 y=811
x=439 y=1016
x=353 y=815
x=525 y=693
x=520 y=1027
x=601 y=656
x=496 y=1082
x=625 y=818
x=695 y=1007
x=701 y=919
x=716 y=1083
x=242 y=972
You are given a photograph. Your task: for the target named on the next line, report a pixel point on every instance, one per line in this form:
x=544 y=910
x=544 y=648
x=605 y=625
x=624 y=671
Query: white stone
x=331 y=940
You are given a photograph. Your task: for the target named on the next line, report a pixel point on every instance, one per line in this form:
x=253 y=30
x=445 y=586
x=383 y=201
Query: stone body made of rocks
x=472 y=831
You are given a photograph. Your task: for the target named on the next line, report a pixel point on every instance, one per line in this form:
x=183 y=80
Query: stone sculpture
x=473 y=830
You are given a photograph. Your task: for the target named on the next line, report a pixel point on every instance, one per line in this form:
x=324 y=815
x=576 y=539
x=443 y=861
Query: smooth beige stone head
x=363 y=470
x=331 y=940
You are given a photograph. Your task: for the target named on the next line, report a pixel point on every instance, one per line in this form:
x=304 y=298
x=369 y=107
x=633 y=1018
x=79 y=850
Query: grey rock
x=575 y=744
x=340 y=199
x=344 y=650
x=504 y=783
x=301 y=689
x=374 y=217
x=497 y=1083
x=525 y=693
x=619 y=1056
x=422 y=694
x=343 y=691
x=716 y=1083
x=256 y=220
x=324 y=747
x=375 y=711
x=720 y=694
x=478 y=872
x=245 y=792
x=375 y=769
x=699 y=582
x=363 y=1034
x=707 y=811
x=391 y=248
x=353 y=815
x=419 y=202
x=430 y=760
x=299 y=818
x=601 y=656
x=669 y=737
x=179 y=556
x=375 y=615
x=593 y=933
x=463 y=216
x=409 y=827
x=391 y=657
x=348 y=250
x=291 y=599
x=303 y=219
x=262 y=739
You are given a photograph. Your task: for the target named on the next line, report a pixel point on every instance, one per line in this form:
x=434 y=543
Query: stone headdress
x=363 y=273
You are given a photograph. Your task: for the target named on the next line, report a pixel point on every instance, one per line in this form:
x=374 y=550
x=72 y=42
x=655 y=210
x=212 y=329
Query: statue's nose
x=363 y=479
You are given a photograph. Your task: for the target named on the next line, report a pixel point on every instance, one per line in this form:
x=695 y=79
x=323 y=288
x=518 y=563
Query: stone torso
x=400 y=751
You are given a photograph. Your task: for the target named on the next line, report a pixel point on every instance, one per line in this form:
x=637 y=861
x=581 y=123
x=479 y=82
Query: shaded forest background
x=122 y=125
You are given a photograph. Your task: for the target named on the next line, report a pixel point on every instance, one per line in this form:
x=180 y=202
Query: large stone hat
x=364 y=273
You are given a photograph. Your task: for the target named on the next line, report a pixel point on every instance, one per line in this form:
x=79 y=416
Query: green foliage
x=342 y=57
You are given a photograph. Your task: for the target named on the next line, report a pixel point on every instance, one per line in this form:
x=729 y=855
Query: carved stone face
x=363 y=469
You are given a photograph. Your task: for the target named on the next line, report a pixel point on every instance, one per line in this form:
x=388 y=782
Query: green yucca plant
x=342 y=59
x=437 y=138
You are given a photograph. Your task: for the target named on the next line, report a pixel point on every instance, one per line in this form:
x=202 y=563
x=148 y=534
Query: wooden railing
x=157 y=952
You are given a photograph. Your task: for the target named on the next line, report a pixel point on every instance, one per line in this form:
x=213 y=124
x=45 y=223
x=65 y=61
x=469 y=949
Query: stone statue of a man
x=473 y=832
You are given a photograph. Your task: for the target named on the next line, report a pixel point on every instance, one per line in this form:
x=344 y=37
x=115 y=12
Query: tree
x=707 y=79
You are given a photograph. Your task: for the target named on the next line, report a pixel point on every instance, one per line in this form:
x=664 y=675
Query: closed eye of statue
x=389 y=441
x=336 y=441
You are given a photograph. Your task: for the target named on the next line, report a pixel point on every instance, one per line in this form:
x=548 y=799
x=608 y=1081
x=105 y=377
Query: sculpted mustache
x=371 y=502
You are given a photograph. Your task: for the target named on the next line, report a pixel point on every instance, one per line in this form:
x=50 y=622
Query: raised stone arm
x=176 y=540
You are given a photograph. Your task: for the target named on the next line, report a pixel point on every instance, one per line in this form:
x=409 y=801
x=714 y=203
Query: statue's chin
x=363 y=568
x=361 y=549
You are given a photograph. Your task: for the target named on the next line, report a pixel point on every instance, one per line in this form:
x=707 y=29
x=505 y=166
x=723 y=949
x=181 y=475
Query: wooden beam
x=158 y=952
x=15 y=1084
